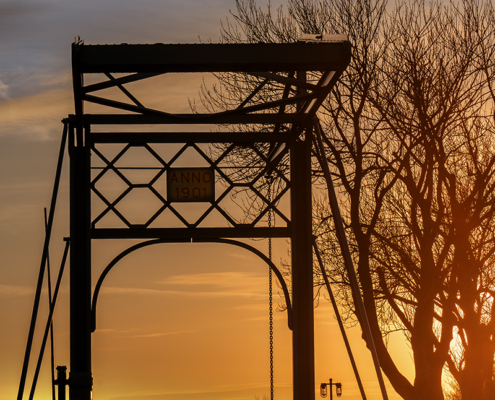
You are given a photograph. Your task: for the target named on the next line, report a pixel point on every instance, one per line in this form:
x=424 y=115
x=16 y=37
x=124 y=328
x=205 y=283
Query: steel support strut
x=80 y=377
x=302 y=270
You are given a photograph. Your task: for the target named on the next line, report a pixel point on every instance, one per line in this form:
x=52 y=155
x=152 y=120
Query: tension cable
x=42 y=264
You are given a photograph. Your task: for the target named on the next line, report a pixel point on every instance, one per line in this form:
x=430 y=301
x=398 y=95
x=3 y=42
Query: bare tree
x=438 y=101
x=409 y=136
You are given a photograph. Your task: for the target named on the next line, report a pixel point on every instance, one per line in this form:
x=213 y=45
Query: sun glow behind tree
x=409 y=132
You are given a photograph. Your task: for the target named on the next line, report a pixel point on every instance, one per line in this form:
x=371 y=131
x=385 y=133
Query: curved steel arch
x=199 y=240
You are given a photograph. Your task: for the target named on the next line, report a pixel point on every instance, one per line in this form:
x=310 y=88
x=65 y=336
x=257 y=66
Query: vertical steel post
x=302 y=269
x=80 y=377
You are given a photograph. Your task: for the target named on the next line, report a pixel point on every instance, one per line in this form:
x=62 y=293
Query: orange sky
x=175 y=322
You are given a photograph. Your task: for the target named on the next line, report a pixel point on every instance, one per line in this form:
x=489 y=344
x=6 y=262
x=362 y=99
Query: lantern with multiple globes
x=324 y=391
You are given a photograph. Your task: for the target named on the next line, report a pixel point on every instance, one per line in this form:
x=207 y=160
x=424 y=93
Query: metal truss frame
x=277 y=130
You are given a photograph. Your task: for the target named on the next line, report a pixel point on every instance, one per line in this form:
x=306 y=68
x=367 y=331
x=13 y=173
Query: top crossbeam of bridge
x=152 y=58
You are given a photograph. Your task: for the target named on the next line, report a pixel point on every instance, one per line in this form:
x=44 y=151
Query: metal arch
x=198 y=240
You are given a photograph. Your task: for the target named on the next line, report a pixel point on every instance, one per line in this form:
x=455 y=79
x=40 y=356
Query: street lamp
x=323 y=389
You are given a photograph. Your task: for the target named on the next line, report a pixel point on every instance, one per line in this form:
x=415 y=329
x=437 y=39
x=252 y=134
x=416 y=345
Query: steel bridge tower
x=275 y=131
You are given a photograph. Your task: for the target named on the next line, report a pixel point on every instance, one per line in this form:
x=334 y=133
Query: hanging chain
x=270 y=284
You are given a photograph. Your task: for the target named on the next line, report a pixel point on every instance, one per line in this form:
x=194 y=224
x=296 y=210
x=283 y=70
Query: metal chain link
x=270 y=286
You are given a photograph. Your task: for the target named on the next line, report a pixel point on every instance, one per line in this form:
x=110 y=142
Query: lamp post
x=323 y=389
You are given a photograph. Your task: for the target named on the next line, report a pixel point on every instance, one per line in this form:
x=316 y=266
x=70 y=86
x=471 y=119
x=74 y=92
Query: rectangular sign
x=191 y=185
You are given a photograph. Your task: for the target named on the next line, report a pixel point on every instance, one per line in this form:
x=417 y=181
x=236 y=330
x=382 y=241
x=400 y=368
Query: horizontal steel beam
x=190 y=119
x=209 y=57
x=188 y=137
x=177 y=233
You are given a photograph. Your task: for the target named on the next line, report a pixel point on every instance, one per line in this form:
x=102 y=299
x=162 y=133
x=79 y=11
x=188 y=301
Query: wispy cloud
x=221 y=284
x=107 y=330
x=17 y=202
x=131 y=290
x=133 y=334
x=4 y=91
x=36 y=117
x=19 y=290
x=218 y=279
x=18 y=10
x=182 y=293
x=159 y=334
x=13 y=290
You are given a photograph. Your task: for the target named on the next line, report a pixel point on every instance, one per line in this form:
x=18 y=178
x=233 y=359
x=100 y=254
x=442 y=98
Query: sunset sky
x=175 y=322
